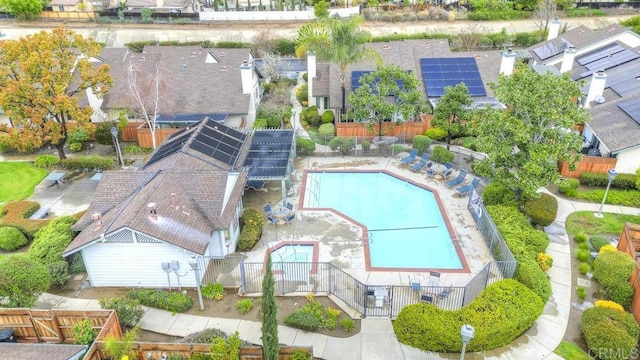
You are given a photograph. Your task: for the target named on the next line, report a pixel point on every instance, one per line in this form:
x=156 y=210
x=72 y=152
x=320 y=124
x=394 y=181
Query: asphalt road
x=116 y=35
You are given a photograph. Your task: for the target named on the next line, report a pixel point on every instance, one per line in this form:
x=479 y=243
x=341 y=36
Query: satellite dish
x=599 y=99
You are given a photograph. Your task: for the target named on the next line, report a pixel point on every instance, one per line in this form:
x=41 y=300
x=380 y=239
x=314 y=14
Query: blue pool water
x=292 y=253
x=406 y=227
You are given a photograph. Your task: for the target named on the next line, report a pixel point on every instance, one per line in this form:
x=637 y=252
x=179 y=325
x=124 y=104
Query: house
x=67 y=5
x=221 y=84
x=608 y=61
x=144 y=227
x=178 y=6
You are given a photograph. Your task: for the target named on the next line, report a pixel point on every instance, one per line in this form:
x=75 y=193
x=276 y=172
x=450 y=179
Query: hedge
x=442 y=155
x=166 y=300
x=129 y=310
x=52 y=239
x=302 y=320
x=327 y=117
x=543 y=210
x=621 y=181
x=421 y=143
x=23 y=281
x=435 y=134
x=138 y=46
x=87 y=163
x=614 y=197
x=569 y=187
x=502 y=312
x=252 y=222
x=610 y=334
x=46 y=161
x=497 y=194
x=612 y=269
x=17 y=213
x=305 y=147
x=11 y=238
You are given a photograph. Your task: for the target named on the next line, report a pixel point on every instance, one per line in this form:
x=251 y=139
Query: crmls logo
x=606 y=353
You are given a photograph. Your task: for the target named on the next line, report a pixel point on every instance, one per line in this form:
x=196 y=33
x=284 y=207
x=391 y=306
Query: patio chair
x=267 y=208
x=290 y=218
x=290 y=206
x=445 y=293
x=409 y=159
x=446 y=173
x=458 y=180
x=431 y=172
x=272 y=219
x=434 y=278
x=466 y=190
x=422 y=163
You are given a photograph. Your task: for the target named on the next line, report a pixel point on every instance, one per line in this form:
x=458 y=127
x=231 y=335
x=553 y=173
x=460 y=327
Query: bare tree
x=544 y=12
x=469 y=38
x=263 y=43
x=272 y=68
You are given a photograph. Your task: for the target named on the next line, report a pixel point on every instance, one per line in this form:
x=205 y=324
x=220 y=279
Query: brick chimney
x=596 y=88
x=508 y=62
x=567 y=59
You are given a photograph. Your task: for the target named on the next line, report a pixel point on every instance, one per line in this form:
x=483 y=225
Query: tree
x=321 y=9
x=338 y=41
x=545 y=11
x=23 y=9
x=269 y=315
x=40 y=76
x=22 y=280
x=451 y=113
x=525 y=142
x=389 y=94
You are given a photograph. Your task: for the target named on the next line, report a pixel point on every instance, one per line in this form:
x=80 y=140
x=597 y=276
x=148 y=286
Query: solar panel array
x=439 y=73
x=632 y=108
x=624 y=79
x=269 y=154
x=355 y=79
x=173 y=144
x=550 y=49
x=605 y=58
x=219 y=142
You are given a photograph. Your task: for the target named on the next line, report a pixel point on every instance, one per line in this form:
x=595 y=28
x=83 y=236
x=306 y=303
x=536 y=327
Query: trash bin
x=7 y=336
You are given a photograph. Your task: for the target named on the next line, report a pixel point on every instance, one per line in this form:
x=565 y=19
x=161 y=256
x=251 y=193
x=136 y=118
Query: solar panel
x=438 y=73
x=612 y=61
x=632 y=108
x=547 y=50
x=599 y=54
x=171 y=146
x=356 y=76
x=269 y=154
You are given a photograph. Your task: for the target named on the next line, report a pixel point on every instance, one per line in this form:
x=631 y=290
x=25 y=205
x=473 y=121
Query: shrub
x=302 y=320
x=305 y=77
x=327 y=117
x=51 y=240
x=583 y=255
x=252 y=223
x=609 y=304
x=584 y=246
x=606 y=248
x=366 y=145
x=327 y=130
x=46 y=161
x=612 y=270
x=529 y=273
x=76 y=138
x=344 y=145
x=347 y=324
x=614 y=197
x=103 y=132
x=76 y=263
x=87 y=163
x=421 y=143
x=83 y=332
x=543 y=210
x=244 y=306
x=59 y=271
x=435 y=134
x=311 y=116
x=622 y=181
x=166 y=300
x=580 y=237
x=260 y=123
x=545 y=261
x=584 y=268
x=129 y=310
x=638 y=173
x=135 y=149
x=621 y=293
x=569 y=187
x=287 y=47
x=23 y=280
x=305 y=147
x=442 y=155
x=298 y=354
x=17 y=213
x=232 y=45
x=11 y=238
x=597 y=242
x=213 y=291
x=610 y=330
x=501 y=313
x=302 y=93
x=497 y=194
x=582 y=292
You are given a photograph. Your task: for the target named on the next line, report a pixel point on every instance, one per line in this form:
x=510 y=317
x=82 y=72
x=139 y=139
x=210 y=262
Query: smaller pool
x=292 y=253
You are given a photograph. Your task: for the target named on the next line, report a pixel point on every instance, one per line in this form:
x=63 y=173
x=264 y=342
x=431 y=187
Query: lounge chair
x=290 y=218
x=434 y=278
x=446 y=173
x=290 y=206
x=465 y=190
x=458 y=180
x=255 y=184
x=409 y=159
x=272 y=219
x=422 y=163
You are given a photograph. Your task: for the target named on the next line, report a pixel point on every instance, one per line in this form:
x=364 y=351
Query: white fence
x=302 y=15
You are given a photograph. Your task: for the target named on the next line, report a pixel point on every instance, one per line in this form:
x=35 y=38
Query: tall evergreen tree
x=269 y=315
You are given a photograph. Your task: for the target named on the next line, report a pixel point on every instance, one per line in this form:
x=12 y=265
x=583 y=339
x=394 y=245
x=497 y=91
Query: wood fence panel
x=588 y=164
x=630 y=243
x=67 y=15
x=130 y=132
x=407 y=130
x=144 y=136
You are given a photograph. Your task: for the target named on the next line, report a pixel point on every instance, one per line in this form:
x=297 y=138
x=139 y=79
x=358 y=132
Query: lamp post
x=293 y=119
x=114 y=134
x=196 y=270
x=466 y=332
x=612 y=175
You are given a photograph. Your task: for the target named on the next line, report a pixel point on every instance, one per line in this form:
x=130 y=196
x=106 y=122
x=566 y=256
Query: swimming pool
x=406 y=228
x=292 y=253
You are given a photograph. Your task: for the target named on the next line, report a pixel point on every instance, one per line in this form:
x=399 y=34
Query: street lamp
x=612 y=175
x=114 y=134
x=293 y=117
x=466 y=332
x=196 y=270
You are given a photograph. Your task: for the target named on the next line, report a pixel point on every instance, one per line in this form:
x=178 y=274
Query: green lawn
x=571 y=351
x=610 y=224
x=18 y=179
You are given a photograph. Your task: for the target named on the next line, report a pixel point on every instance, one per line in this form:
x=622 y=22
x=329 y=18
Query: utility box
x=7 y=336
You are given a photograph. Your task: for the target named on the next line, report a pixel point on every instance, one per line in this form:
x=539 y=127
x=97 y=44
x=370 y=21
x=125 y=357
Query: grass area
x=586 y=222
x=571 y=351
x=18 y=179
x=614 y=197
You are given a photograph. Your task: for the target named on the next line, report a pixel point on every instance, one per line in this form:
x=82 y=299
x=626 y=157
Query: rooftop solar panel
x=356 y=75
x=599 y=54
x=632 y=108
x=269 y=154
x=546 y=51
x=438 y=73
x=173 y=144
x=612 y=61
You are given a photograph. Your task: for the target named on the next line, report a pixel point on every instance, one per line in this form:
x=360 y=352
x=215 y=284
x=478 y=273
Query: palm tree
x=338 y=41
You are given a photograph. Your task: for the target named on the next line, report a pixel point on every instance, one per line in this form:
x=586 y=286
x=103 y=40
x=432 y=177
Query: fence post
x=243 y=277
x=331 y=290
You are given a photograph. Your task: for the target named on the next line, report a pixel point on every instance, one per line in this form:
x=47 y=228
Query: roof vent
x=97 y=220
x=599 y=99
x=184 y=66
x=153 y=212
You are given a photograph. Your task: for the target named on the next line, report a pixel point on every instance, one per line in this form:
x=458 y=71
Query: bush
x=435 y=134
x=252 y=222
x=583 y=255
x=421 y=143
x=302 y=93
x=129 y=310
x=213 y=291
x=286 y=47
x=302 y=320
x=244 y=306
x=543 y=210
x=327 y=117
x=311 y=116
x=260 y=123
x=638 y=171
x=612 y=270
x=87 y=163
x=442 y=155
x=614 y=197
x=584 y=268
x=585 y=12
x=606 y=248
x=83 y=332
x=76 y=138
x=103 y=132
x=46 y=161
x=327 y=130
x=347 y=324
x=622 y=181
x=17 y=213
x=51 y=240
x=529 y=273
x=23 y=280
x=582 y=292
x=502 y=312
x=580 y=237
x=298 y=354
x=610 y=330
x=166 y=300
x=11 y=238
x=597 y=242
x=569 y=187
x=305 y=147
x=59 y=271
x=366 y=145
x=305 y=77
x=609 y=304
x=135 y=149
x=545 y=261
x=344 y=145
x=497 y=194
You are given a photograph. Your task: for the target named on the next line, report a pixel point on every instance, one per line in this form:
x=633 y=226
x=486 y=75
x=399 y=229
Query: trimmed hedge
x=22 y=281
x=502 y=312
x=612 y=269
x=435 y=134
x=543 y=210
x=497 y=194
x=622 y=181
x=614 y=197
x=302 y=320
x=16 y=214
x=129 y=310
x=327 y=117
x=46 y=161
x=569 y=187
x=51 y=240
x=87 y=163
x=421 y=143
x=327 y=130
x=166 y=300
x=442 y=155
x=305 y=147
x=597 y=242
x=611 y=334
x=252 y=222
x=11 y=238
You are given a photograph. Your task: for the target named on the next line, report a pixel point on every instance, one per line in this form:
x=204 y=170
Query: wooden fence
x=405 y=130
x=588 y=164
x=630 y=243
x=144 y=136
x=130 y=132
x=67 y=15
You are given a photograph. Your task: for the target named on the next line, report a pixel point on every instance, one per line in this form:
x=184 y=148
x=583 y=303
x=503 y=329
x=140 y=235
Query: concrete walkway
x=302 y=132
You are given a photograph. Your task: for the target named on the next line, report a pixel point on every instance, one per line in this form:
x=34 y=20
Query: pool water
x=406 y=227
x=292 y=253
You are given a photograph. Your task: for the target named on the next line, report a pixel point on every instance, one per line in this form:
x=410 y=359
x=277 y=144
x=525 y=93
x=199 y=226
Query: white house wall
x=136 y=265
x=628 y=161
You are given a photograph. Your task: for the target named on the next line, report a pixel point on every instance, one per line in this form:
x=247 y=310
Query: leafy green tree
x=23 y=9
x=632 y=23
x=451 y=114
x=22 y=280
x=321 y=9
x=40 y=78
x=338 y=41
x=269 y=315
x=525 y=142
x=51 y=240
x=389 y=94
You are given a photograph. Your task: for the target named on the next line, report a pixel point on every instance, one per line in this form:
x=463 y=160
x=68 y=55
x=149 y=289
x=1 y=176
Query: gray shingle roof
x=615 y=129
x=64 y=2
x=20 y=351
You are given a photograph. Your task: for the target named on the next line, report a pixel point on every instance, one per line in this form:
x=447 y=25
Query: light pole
x=114 y=133
x=293 y=119
x=612 y=175
x=196 y=270
x=466 y=332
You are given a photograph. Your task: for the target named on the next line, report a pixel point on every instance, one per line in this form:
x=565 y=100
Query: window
x=60 y=8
